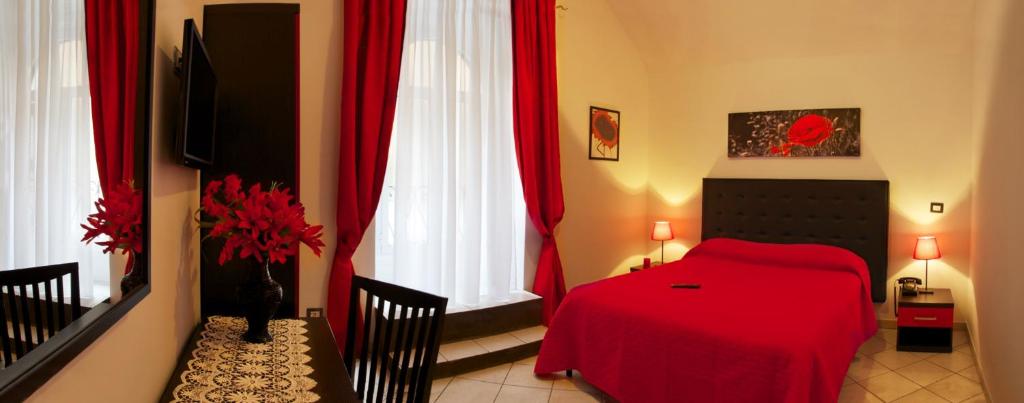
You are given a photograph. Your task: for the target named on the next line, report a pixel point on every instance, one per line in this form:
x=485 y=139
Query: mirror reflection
x=71 y=205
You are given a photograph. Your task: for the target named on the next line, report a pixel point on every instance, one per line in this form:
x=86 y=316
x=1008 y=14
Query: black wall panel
x=253 y=48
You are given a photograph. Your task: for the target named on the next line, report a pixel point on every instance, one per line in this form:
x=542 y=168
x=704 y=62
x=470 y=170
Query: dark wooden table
x=332 y=380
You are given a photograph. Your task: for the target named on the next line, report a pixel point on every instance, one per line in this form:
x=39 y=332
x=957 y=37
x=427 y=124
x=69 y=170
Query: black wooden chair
x=397 y=348
x=25 y=312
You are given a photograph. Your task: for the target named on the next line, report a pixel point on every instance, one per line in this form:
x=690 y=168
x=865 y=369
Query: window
x=47 y=161
x=452 y=217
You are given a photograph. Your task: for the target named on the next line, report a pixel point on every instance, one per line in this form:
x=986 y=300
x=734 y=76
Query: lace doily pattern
x=224 y=368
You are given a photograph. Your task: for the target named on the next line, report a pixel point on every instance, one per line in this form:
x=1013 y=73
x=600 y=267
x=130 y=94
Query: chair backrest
x=396 y=346
x=32 y=304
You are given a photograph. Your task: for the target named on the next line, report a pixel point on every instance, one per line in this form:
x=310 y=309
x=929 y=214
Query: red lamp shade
x=927 y=248
x=662 y=231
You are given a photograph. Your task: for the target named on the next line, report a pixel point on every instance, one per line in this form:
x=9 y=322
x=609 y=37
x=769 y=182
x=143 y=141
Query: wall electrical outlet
x=314 y=312
x=938 y=208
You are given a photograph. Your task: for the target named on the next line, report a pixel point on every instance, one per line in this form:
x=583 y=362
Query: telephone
x=908 y=285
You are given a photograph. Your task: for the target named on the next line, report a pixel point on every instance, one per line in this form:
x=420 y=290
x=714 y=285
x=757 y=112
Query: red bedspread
x=771 y=323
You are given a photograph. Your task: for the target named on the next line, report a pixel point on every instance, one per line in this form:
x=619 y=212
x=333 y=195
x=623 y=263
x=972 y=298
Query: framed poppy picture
x=795 y=133
x=604 y=134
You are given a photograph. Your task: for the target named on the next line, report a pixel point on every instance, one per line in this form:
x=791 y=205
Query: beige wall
x=906 y=64
x=605 y=224
x=133 y=360
x=998 y=189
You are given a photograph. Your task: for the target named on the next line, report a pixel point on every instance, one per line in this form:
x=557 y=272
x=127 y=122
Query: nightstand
x=641 y=267
x=924 y=322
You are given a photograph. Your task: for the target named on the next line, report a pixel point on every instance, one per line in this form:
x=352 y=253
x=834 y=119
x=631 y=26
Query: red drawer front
x=925 y=317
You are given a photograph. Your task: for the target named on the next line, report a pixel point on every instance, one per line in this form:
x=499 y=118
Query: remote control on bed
x=686 y=285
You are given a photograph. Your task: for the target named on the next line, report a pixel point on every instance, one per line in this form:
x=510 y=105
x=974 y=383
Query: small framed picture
x=604 y=134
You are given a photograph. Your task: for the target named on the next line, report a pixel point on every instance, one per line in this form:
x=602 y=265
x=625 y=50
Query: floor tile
x=439 y=384
x=955 y=361
x=530 y=334
x=863 y=368
x=854 y=393
x=966 y=349
x=977 y=399
x=440 y=357
x=522 y=375
x=971 y=373
x=924 y=372
x=461 y=349
x=889 y=335
x=469 y=391
x=889 y=386
x=921 y=396
x=960 y=337
x=438 y=387
x=528 y=361
x=873 y=345
x=955 y=388
x=522 y=394
x=893 y=359
x=562 y=382
x=571 y=396
x=499 y=342
x=494 y=374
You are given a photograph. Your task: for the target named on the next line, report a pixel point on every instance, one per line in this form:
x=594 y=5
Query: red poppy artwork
x=795 y=133
x=604 y=134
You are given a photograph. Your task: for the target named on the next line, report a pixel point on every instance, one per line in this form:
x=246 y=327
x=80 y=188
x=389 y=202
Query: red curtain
x=112 y=46
x=374 y=31
x=535 y=104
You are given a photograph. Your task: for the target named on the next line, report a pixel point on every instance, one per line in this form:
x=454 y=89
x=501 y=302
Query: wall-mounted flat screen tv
x=197 y=119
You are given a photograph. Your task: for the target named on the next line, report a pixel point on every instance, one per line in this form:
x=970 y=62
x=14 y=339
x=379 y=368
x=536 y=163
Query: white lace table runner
x=224 y=368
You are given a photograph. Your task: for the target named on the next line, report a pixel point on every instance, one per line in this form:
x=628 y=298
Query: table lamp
x=662 y=231
x=927 y=248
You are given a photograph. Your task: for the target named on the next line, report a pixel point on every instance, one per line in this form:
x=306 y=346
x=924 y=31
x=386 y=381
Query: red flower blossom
x=118 y=216
x=257 y=223
x=808 y=131
x=604 y=129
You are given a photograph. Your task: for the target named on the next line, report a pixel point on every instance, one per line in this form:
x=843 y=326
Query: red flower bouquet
x=119 y=217
x=264 y=225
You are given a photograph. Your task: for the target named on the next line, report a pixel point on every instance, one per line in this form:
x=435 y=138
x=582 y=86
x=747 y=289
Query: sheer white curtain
x=47 y=163
x=452 y=218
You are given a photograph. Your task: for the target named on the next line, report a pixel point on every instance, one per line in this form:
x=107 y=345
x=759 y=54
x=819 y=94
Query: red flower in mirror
x=118 y=216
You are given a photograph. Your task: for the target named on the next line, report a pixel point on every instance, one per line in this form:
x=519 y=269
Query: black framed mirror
x=37 y=353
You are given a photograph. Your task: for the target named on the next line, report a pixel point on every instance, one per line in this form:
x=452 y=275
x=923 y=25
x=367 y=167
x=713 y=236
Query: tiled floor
x=878 y=373
x=514 y=383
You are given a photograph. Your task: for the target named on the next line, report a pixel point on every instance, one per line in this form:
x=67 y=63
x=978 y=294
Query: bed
x=788 y=271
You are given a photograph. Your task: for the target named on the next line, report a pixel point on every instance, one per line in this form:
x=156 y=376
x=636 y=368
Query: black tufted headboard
x=852 y=214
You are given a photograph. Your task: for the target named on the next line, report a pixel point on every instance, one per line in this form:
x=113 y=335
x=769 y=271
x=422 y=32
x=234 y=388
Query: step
x=476 y=323
x=459 y=357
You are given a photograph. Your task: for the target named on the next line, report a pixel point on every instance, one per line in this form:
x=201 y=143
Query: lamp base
x=925 y=291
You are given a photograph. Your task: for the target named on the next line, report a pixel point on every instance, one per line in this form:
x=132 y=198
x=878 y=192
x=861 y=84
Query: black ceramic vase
x=134 y=278
x=260 y=296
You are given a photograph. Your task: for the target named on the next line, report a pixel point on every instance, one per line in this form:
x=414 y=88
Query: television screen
x=198 y=108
